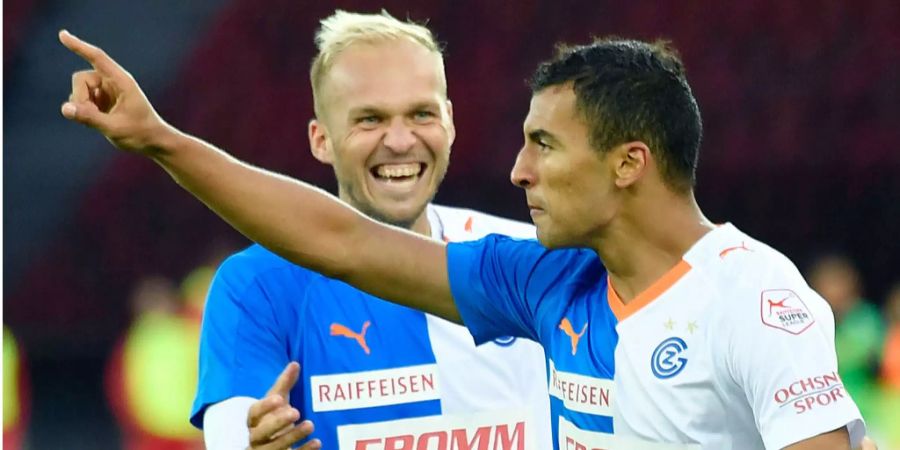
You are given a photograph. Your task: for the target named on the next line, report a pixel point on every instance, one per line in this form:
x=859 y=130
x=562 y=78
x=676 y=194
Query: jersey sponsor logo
x=582 y=393
x=374 y=388
x=667 y=359
x=573 y=438
x=728 y=250
x=785 y=310
x=574 y=337
x=494 y=430
x=505 y=341
x=360 y=338
x=810 y=393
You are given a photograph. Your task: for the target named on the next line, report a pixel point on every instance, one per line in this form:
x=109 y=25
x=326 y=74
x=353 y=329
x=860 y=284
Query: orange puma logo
x=728 y=250
x=566 y=327
x=340 y=330
x=468 y=225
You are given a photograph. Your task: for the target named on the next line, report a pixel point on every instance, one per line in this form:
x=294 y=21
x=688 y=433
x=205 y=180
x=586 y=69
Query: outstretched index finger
x=285 y=381
x=90 y=53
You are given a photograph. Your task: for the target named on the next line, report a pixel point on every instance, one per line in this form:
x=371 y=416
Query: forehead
x=554 y=110
x=393 y=72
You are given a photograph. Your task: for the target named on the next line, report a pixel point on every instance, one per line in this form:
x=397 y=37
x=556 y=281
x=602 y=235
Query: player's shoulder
x=256 y=262
x=254 y=259
x=733 y=260
x=752 y=279
x=460 y=224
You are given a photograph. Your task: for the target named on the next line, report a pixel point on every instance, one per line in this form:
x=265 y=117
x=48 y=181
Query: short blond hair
x=344 y=29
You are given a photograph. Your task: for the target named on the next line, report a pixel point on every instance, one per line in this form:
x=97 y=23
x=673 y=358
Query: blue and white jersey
x=374 y=375
x=506 y=286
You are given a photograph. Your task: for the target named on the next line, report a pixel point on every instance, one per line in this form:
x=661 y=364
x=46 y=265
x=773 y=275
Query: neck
x=419 y=225
x=422 y=225
x=648 y=239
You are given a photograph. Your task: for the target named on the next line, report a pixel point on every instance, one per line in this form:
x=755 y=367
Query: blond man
x=374 y=375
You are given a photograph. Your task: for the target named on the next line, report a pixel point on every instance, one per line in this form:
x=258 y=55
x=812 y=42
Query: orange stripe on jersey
x=623 y=311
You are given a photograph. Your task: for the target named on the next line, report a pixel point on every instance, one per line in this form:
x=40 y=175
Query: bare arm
x=312 y=228
x=295 y=220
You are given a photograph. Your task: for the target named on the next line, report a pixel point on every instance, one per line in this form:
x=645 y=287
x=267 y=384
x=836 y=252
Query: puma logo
x=728 y=250
x=566 y=327
x=340 y=330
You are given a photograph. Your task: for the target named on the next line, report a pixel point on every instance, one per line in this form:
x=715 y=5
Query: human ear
x=318 y=142
x=631 y=161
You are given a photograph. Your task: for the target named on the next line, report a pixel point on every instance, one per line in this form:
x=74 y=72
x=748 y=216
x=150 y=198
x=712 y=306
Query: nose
x=522 y=174
x=399 y=137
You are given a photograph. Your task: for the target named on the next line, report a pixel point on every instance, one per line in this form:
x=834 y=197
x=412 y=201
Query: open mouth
x=398 y=173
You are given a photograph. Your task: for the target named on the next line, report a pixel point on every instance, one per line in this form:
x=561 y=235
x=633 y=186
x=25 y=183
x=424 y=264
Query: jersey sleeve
x=225 y=424
x=489 y=279
x=242 y=348
x=782 y=355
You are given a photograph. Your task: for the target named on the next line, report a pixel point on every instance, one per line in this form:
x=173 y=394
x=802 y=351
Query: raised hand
x=272 y=420
x=109 y=100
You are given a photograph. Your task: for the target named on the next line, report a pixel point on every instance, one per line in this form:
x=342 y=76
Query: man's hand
x=109 y=100
x=867 y=444
x=272 y=420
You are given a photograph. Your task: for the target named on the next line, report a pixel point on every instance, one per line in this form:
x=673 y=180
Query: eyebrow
x=426 y=104
x=542 y=135
x=366 y=110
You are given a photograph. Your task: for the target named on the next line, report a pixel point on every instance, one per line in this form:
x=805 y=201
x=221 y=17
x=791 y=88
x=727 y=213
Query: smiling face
x=568 y=184
x=386 y=127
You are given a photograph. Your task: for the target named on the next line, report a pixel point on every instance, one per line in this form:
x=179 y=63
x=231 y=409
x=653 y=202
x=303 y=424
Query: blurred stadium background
x=801 y=102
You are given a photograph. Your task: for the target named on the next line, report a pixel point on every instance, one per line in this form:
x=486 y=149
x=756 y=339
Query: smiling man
x=385 y=125
x=608 y=168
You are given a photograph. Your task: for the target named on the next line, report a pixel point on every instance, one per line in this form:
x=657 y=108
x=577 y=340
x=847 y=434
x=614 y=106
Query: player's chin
x=404 y=213
x=545 y=236
x=551 y=237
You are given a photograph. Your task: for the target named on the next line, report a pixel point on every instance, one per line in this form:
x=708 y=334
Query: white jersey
x=729 y=350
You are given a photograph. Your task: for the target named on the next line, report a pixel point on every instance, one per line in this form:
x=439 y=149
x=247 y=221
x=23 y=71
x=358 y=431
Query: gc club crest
x=667 y=360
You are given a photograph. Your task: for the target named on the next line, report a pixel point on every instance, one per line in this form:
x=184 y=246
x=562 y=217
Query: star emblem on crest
x=692 y=326
x=669 y=324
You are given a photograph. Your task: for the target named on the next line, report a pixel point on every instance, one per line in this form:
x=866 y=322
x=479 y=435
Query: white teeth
x=398 y=170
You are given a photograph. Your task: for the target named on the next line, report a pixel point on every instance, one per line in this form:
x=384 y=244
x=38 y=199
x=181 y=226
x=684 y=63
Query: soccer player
x=722 y=344
x=369 y=368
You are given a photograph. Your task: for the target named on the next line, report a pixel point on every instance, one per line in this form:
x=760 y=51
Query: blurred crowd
x=151 y=373
x=867 y=340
